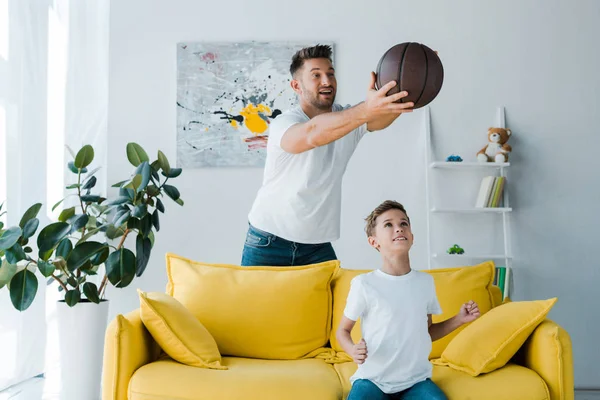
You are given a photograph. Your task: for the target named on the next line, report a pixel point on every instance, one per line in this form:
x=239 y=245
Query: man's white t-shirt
x=300 y=198
x=393 y=312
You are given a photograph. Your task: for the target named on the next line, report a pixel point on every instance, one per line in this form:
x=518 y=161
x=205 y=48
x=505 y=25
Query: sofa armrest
x=127 y=347
x=548 y=352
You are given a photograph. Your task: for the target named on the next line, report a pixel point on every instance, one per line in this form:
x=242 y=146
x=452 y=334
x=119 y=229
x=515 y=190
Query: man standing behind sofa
x=296 y=213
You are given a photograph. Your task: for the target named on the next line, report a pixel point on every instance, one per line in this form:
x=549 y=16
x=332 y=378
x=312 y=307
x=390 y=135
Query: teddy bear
x=497 y=149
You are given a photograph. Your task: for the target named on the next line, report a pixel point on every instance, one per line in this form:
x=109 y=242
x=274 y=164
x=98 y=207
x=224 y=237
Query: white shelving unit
x=436 y=207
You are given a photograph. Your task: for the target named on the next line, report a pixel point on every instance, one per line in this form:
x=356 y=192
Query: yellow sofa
x=275 y=329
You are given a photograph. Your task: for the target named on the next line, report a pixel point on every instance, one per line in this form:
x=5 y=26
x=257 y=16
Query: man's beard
x=322 y=104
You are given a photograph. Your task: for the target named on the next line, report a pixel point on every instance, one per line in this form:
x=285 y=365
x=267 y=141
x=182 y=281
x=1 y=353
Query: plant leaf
x=82 y=254
x=118 y=184
x=30 y=228
x=140 y=211
x=23 y=288
x=46 y=268
x=72 y=297
x=134 y=183
x=146 y=225
x=15 y=254
x=91 y=233
x=155 y=220
x=7 y=271
x=121 y=217
x=50 y=236
x=84 y=157
x=92 y=198
x=160 y=206
x=91 y=292
x=164 y=163
x=179 y=201
x=66 y=214
x=89 y=183
x=118 y=201
x=120 y=267
x=101 y=257
x=171 y=191
x=74 y=169
x=31 y=213
x=144 y=171
x=143 y=247
x=136 y=154
x=153 y=190
x=10 y=237
x=113 y=232
x=57 y=204
x=64 y=248
x=79 y=222
x=173 y=173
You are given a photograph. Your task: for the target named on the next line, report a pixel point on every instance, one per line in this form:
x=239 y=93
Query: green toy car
x=456 y=249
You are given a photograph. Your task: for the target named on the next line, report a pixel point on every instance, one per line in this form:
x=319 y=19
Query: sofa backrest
x=454 y=286
x=257 y=312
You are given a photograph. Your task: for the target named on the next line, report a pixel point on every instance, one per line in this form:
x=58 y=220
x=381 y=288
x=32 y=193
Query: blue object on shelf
x=454 y=158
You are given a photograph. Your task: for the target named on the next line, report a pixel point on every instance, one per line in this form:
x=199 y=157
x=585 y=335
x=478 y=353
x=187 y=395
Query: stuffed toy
x=497 y=149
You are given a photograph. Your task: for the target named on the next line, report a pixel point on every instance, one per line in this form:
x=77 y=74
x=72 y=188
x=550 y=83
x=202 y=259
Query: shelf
x=467 y=165
x=472 y=257
x=497 y=210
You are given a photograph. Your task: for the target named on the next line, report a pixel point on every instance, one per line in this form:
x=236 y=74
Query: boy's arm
x=441 y=329
x=468 y=312
x=358 y=351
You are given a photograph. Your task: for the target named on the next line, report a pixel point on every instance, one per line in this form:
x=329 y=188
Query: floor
x=41 y=389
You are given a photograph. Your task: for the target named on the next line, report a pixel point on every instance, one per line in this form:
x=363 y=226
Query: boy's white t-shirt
x=300 y=197
x=393 y=312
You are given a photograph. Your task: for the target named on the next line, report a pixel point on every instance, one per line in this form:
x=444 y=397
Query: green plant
x=69 y=250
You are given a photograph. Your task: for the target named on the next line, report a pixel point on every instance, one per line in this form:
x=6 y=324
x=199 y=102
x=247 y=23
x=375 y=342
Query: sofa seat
x=273 y=379
x=512 y=382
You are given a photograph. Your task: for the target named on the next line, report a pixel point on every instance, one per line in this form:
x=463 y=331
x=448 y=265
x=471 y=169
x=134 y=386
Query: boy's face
x=392 y=233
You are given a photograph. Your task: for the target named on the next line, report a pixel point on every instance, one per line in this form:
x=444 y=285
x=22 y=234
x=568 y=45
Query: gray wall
x=539 y=59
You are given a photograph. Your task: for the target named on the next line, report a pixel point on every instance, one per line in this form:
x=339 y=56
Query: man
x=296 y=214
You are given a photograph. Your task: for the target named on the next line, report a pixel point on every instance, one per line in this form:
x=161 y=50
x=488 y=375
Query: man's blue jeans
x=265 y=249
x=364 y=389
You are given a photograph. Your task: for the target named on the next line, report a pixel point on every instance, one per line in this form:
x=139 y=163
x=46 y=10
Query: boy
x=395 y=304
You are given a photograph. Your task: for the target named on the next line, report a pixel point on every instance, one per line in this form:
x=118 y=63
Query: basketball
x=416 y=69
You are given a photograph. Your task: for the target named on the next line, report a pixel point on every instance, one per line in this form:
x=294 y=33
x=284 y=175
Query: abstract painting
x=227 y=95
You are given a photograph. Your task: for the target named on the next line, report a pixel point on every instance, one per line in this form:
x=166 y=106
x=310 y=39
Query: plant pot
x=81 y=332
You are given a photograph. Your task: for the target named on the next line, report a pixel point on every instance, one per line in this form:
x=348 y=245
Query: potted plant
x=72 y=251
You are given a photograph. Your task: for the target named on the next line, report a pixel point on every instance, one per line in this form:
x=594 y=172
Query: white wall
x=538 y=59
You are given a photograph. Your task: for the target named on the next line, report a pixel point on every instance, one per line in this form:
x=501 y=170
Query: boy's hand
x=359 y=352
x=468 y=312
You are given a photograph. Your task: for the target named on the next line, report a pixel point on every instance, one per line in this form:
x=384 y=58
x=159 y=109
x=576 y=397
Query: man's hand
x=469 y=312
x=378 y=104
x=359 y=352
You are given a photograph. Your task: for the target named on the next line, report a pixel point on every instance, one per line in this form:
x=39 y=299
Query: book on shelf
x=490 y=192
x=502 y=280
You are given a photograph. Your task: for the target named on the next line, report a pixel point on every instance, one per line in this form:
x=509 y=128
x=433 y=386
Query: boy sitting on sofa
x=395 y=304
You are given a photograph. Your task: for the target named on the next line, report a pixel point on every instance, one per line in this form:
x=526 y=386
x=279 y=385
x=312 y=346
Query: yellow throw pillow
x=456 y=286
x=490 y=341
x=181 y=335
x=257 y=312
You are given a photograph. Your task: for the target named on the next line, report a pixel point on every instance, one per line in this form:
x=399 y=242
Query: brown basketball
x=416 y=69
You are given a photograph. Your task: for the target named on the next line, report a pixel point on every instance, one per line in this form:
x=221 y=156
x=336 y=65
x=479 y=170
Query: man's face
x=392 y=233
x=315 y=83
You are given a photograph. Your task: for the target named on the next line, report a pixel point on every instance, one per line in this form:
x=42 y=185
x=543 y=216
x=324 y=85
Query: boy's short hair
x=383 y=207
x=308 y=53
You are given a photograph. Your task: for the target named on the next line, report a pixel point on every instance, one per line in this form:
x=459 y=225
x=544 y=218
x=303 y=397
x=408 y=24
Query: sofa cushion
x=454 y=286
x=489 y=342
x=178 y=332
x=512 y=382
x=244 y=379
x=258 y=312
